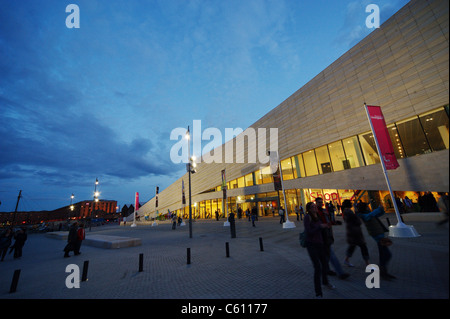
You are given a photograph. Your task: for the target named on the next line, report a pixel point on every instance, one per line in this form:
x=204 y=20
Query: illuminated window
x=266 y=175
x=412 y=137
x=337 y=156
x=309 y=159
x=396 y=142
x=353 y=152
x=249 y=179
x=286 y=168
x=240 y=182
x=258 y=177
x=369 y=148
x=301 y=165
x=294 y=162
x=323 y=160
x=435 y=125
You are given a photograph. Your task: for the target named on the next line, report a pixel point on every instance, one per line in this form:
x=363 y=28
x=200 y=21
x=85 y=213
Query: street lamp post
x=274 y=166
x=93 y=203
x=190 y=171
x=71 y=208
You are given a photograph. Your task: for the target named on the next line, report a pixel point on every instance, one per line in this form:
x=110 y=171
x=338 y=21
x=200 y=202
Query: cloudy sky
x=100 y=101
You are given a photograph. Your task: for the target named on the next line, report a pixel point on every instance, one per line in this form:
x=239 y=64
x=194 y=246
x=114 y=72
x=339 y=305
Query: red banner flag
x=381 y=135
x=136 y=202
x=183 y=197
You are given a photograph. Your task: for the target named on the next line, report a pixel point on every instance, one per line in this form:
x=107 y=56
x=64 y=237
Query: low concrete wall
x=100 y=241
x=108 y=242
x=423 y=217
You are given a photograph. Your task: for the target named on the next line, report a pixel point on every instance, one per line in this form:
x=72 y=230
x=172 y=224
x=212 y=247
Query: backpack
x=80 y=234
x=302 y=239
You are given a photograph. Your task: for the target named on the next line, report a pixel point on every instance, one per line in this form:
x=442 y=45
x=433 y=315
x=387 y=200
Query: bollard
x=188 y=256
x=227 y=249
x=15 y=281
x=389 y=223
x=141 y=262
x=261 y=247
x=85 y=271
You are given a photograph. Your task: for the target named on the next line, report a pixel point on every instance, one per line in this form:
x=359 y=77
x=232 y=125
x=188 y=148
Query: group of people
x=318 y=224
x=176 y=221
x=19 y=236
x=74 y=239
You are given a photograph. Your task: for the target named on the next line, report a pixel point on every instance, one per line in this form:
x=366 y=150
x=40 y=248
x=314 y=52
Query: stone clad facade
x=403 y=67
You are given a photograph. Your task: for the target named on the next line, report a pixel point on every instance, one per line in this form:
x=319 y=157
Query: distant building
x=106 y=209
x=100 y=209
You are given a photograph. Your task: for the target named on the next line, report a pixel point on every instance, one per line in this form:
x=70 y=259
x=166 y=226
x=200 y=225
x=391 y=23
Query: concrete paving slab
x=111 y=242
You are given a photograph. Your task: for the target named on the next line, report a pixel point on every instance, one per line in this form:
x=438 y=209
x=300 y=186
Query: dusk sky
x=100 y=101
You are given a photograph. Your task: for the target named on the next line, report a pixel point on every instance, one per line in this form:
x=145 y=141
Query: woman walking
x=355 y=236
x=316 y=249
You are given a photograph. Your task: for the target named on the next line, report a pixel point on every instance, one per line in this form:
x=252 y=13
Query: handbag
x=302 y=239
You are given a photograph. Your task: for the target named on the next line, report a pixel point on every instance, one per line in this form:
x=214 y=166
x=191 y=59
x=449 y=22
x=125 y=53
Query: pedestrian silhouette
x=354 y=234
x=20 y=238
x=315 y=246
x=5 y=242
x=377 y=230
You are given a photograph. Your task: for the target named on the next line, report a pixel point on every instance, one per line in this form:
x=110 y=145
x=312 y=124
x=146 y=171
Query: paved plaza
x=282 y=270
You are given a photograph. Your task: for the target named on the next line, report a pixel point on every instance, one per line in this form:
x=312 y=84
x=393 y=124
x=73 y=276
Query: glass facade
x=413 y=137
x=428 y=132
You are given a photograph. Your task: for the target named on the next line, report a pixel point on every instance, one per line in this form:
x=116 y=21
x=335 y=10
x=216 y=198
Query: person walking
x=316 y=249
x=281 y=213
x=174 y=221
x=377 y=230
x=232 y=222
x=302 y=213
x=81 y=235
x=254 y=214
x=328 y=239
x=297 y=212
x=354 y=234
x=20 y=238
x=443 y=205
x=5 y=242
x=71 y=240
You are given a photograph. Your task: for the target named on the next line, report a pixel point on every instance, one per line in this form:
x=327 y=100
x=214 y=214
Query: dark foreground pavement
x=283 y=271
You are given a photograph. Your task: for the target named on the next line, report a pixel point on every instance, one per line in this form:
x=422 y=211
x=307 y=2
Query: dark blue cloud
x=49 y=130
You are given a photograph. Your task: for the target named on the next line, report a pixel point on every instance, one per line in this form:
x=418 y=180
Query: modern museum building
x=325 y=143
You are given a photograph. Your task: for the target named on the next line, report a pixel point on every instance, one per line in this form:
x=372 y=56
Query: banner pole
x=400 y=224
x=397 y=213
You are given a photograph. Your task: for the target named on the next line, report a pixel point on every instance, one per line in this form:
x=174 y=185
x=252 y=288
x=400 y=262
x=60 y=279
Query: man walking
x=71 y=240
x=328 y=239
